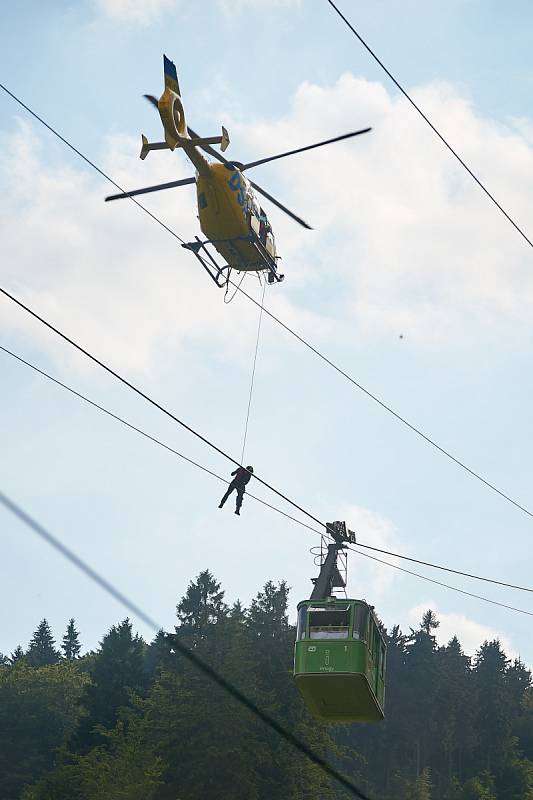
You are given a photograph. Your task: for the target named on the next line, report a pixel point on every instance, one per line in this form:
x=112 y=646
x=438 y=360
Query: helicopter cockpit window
x=329 y=623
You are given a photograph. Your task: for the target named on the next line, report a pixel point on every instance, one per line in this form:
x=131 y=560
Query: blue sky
x=404 y=244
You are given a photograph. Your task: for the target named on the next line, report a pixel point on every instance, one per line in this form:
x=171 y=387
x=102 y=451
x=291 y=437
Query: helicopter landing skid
x=215 y=272
x=220 y=275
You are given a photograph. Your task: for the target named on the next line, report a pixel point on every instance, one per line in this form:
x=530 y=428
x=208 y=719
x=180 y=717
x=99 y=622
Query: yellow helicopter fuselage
x=231 y=219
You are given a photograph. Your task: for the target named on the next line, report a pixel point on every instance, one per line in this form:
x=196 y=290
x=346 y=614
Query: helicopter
x=230 y=215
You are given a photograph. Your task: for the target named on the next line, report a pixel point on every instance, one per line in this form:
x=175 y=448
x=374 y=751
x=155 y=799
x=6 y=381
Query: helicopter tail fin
x=171 y=76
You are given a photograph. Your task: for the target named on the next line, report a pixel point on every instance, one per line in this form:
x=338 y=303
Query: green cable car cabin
x=339 y=660
x=340 y=652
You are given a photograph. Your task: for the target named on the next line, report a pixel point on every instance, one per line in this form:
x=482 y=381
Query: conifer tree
x=421 y=790
x=422 y=667
x=429 y=622
x=71 y=642
x=237 y=612
x=118 y=671
x=493 y=706
x=41 y=649
x=159 y=654
x=480 y=787
x=455 y=735
x=267 y=616
x=4 y=660
x=452 y=730
x=38 y=710
x=518 y=679
x=272 y=637
x=17 y=654
x=202 y=607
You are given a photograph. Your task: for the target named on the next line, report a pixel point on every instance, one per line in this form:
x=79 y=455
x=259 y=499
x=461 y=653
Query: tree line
x=134 y=720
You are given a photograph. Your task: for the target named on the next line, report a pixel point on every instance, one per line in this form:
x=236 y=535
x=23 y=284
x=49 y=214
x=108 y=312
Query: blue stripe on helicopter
x=170 y=68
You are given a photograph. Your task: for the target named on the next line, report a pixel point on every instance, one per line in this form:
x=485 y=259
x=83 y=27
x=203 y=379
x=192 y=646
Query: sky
x=410 y=280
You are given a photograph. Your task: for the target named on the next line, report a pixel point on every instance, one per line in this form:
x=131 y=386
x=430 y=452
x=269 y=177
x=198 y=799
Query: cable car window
x=302 y=619
x=382 y=664
x=359 y=622
x=375 y=647
x=329 y=623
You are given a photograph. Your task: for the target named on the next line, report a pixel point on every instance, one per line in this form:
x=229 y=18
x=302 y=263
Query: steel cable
x=313 y=349
x=191 y=656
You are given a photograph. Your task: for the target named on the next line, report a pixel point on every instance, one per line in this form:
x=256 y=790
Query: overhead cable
x=89 y=162
x=446 y=569
x=428 y=121
x=152 y=402
x=148 y=436
x=254 y=497
x=444 y=585
x=276 y=319
x=190 y=655
x=395 y=414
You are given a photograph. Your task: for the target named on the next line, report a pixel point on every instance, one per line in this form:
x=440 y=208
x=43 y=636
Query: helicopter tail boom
x=172 y=113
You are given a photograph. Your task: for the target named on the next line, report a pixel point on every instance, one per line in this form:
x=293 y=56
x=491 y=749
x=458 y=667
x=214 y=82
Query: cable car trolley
x=340 y=652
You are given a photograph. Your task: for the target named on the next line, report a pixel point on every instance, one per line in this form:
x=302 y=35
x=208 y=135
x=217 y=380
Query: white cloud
x=470 y=633
x=233 y=7
x=144 y=12
x=141 y=12
x=404 y=239
x=410 y=240
x=107 y=274
x=367 y=577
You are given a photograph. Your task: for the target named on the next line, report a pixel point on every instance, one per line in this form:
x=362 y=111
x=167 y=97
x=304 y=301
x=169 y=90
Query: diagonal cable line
x=146 y=435
x=300 y=522
x=391 y=411
x=89 y=162
x=444 y=585
x=296 y=335
x=446 y=569
x=428 y=121
x=152 y=402
x=191 y=656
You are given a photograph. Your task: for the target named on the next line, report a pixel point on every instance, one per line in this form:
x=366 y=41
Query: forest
x=133 y=720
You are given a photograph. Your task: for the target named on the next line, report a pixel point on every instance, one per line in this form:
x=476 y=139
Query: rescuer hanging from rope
x=242 y=476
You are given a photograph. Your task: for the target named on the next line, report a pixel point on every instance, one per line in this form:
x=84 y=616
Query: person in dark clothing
x=242 y=476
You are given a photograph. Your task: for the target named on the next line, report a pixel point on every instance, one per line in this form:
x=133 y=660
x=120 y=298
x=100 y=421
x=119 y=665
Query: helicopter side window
x=264 y=227
x=325 y=623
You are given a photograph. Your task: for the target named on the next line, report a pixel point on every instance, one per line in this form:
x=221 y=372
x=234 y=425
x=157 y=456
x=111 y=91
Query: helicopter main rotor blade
x=151 y=99
x=303 y=149
x=148 y=189
x=232 y=165
x=297 y=219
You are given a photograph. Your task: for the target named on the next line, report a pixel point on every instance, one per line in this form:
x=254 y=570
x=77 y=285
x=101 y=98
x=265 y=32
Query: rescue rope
x=253 y=375
x=237 y=287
